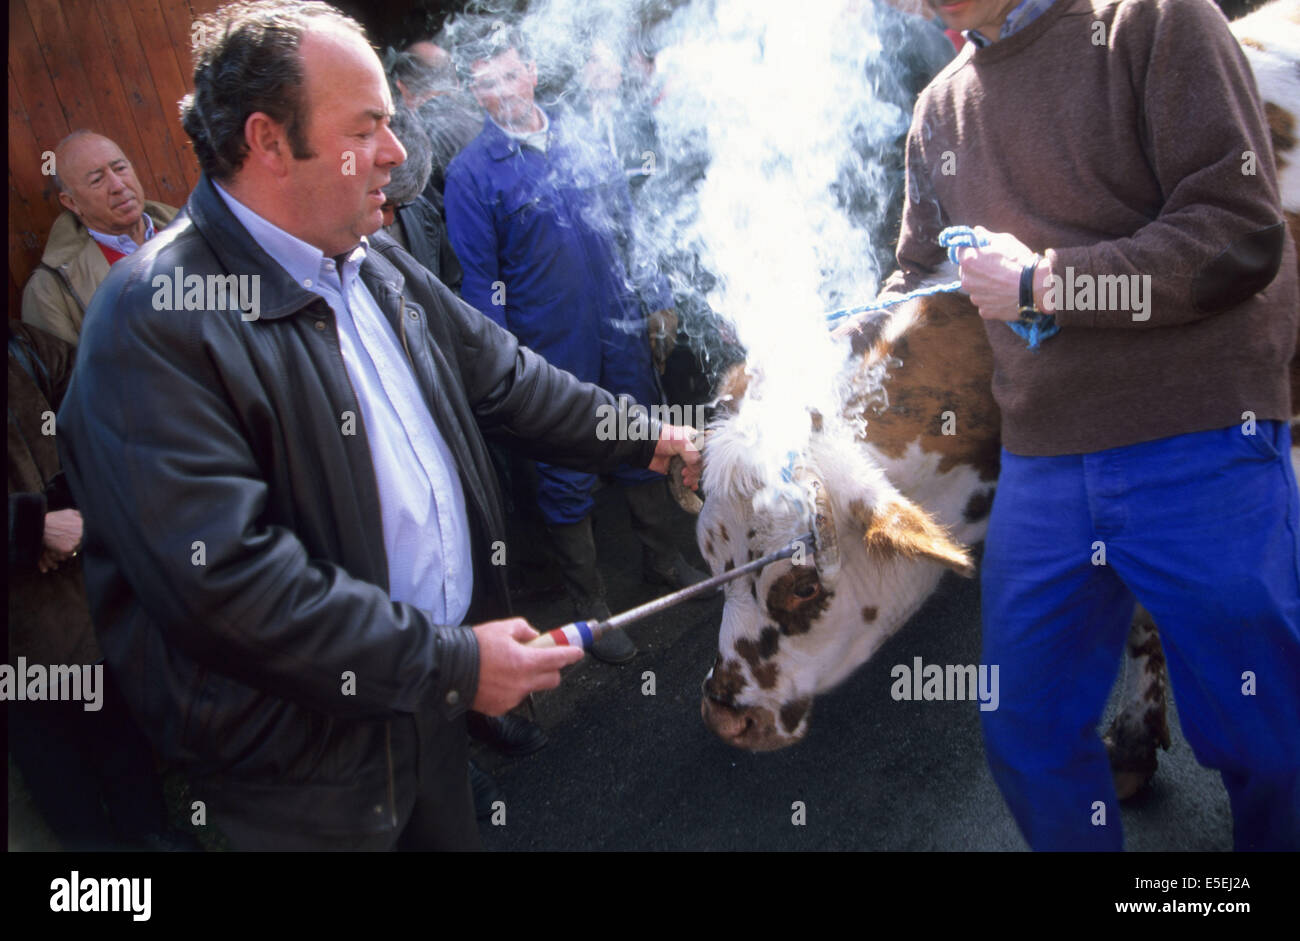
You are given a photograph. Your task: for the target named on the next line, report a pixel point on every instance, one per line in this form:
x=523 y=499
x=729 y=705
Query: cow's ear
x=732 y=388
x=900 y=527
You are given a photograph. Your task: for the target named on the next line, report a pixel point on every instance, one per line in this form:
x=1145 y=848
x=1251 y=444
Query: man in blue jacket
x=539 y=218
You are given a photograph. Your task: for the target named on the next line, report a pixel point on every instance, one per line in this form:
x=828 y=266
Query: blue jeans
x=1204 y=530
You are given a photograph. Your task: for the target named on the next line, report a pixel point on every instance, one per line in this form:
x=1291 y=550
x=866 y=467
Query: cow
x=906 y=498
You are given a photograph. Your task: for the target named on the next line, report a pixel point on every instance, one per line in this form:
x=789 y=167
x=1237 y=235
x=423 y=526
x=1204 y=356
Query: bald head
x=98 y=184
x=433 y=55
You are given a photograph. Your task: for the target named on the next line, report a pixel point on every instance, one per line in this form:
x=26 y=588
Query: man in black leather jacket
x=233 y=484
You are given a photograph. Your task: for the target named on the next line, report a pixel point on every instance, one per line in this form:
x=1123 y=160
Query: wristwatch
x=1026 y=303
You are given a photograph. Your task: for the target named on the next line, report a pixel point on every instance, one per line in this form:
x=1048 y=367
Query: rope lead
x=1032 y=328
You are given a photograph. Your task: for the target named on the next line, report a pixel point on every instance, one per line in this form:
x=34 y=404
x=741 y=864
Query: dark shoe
x=486 y=792
x=509 y=734
x=613 y=646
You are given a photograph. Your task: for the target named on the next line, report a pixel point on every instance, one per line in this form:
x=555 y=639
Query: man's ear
x=900 y=527
x=69 y=203
x=267 y=142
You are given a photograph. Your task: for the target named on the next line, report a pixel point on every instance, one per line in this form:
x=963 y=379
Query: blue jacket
x=542 y=238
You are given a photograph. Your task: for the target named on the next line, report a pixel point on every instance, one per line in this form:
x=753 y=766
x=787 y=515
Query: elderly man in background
x=105 y=219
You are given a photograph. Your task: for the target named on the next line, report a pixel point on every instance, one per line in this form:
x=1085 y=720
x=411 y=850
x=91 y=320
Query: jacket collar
x=69 y=237
x=501 y=145
x=237 y=251
x=384 y=281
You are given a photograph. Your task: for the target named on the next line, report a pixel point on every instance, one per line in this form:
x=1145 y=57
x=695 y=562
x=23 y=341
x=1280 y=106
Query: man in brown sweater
x=1116 y=159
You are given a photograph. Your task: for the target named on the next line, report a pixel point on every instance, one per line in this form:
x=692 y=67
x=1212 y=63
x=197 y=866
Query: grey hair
x=409 y=178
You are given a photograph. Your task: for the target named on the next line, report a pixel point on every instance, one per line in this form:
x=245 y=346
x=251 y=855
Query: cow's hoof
x=1130 y=783
x=1132 y=758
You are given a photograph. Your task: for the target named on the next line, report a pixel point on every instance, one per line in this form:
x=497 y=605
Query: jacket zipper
x=62 y=274
x=388 y=724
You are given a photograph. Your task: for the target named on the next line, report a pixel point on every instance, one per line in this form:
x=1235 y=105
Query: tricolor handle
x=579 y=634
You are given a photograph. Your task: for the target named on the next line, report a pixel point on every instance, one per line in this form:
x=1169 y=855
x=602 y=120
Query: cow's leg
x=1141 y=724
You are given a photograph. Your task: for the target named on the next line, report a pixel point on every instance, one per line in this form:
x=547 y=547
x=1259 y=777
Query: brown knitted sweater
x=1110 y=137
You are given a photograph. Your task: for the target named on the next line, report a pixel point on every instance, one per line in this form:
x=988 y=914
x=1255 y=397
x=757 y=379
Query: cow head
x=790 y=631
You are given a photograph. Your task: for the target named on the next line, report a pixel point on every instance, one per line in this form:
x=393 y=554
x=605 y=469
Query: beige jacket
x=59 y=290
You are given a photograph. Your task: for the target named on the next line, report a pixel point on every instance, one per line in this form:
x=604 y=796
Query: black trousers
x=91 y=774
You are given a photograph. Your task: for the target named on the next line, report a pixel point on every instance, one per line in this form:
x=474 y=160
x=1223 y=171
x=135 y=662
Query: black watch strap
x=1027 y=286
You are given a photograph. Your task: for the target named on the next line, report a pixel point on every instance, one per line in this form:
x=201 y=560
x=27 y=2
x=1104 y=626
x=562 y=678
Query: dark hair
x=411 y=176
x=246 y=59
x=478 y=39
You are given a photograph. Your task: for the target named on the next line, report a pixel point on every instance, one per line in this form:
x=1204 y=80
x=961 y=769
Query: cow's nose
x=727 y=722
x=752 y=727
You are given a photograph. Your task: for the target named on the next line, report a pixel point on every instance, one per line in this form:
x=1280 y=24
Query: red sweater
x=111 y=254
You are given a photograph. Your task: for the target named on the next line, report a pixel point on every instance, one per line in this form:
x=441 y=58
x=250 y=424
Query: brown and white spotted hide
x=905 y=497
x=1140 y=727
x=1270 y=38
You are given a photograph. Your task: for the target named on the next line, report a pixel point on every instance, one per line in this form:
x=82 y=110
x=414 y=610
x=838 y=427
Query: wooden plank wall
x=118 y=67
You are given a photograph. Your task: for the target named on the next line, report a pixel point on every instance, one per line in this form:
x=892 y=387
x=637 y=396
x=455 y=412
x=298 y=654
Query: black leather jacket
x=234 y=559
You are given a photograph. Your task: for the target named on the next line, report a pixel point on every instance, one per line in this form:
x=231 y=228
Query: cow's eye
x=807 y=590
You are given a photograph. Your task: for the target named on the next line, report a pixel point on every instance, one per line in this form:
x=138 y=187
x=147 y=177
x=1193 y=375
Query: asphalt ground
x=629 y=771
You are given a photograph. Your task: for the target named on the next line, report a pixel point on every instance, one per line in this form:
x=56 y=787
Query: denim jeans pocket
x=1260 y=439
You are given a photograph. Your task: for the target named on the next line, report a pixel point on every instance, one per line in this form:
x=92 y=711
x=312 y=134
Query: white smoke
x=778 y=95
x=772 y=134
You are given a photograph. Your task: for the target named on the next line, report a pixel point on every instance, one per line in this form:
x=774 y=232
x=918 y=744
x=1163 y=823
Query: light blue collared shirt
x=123 y=243
x=426 y=526
x=1024 y=13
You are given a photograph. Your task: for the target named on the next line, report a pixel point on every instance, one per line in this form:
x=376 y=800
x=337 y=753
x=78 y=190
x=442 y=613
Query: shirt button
x=453 y=697
x=414 y=315
x=320 y=325
x=306 y=282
